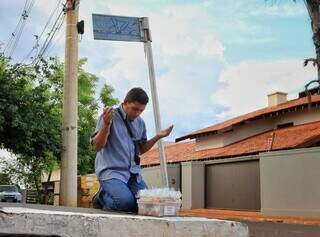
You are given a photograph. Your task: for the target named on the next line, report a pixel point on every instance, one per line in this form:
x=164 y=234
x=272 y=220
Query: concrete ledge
x=28 y=221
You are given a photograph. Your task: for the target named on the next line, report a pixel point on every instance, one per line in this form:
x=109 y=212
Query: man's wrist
x=106 y=125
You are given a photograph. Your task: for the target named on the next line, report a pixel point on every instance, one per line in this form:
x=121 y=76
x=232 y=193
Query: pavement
x=250 y=216
x=273 y=229
x=262 y=225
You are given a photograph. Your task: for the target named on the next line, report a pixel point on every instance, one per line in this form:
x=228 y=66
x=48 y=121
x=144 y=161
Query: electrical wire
x=16 y=35
x=39 y=37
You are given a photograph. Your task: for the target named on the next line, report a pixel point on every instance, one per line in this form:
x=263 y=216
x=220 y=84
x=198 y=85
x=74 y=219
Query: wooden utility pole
x=68 y=179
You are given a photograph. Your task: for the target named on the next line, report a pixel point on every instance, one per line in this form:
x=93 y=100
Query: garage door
x=233 y=185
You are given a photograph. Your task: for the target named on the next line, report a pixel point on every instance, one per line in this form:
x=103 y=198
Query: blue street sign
x=119 y=28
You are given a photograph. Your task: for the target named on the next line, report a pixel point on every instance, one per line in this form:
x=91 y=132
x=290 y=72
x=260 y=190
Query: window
x=285 y=125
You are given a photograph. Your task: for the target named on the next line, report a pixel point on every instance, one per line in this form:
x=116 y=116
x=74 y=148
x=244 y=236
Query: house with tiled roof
x=225 y=166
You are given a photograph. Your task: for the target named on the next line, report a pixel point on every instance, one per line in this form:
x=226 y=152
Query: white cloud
x=252 y=21
x=186 y=59
x=189 y=56
x=245 y=86
x=123 y=64
x=176 y=29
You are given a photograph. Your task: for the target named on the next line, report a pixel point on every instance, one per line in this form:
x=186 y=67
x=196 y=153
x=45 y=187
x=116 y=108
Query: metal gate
x=233 y=185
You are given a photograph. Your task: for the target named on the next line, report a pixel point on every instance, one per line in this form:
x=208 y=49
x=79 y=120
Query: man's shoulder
x=139 y=123
x=117 y=114
x=140 y=120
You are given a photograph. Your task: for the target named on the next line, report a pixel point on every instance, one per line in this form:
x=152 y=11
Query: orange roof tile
x=174 y=152
x=285 y=138
x=315 y=99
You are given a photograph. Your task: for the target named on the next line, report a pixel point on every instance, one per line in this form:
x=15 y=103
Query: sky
x=213 y=59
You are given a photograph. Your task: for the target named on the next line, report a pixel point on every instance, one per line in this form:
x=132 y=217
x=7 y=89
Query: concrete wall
x=193 y=185
x=152 y=176
x=55 y=176
x=290 y=182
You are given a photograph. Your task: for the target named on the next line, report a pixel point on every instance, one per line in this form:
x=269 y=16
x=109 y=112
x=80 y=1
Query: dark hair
x=137 y=95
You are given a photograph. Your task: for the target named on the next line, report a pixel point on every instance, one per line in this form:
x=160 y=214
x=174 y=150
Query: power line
x=53 y=12
x=57 y=39
x=39 y=37
x=24 y=16
x=55 y=28
x=45 y=50
x=15 y=36
x=9 y=42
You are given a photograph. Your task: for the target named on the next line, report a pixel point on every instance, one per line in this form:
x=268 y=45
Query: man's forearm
x=101 y=138
x=149 y=144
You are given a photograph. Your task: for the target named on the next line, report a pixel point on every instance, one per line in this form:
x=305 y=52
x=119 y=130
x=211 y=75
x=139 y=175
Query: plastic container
x=159 y=209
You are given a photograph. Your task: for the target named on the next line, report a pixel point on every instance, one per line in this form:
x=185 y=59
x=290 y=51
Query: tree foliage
x=87 y=108
x=29 y=122
x=31 y=117
x=106 y=96
x=5 y=179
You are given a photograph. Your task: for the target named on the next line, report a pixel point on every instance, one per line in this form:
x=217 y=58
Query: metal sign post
x=121 y=28
x=155 y=101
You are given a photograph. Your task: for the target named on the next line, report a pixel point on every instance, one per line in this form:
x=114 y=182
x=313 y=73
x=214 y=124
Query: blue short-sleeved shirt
x=116 y=158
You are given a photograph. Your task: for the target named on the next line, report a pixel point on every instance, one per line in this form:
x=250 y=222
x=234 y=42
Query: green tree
x=106 y=96
x=31 y=118
x=27 y=115
x=88 y=108
x=30 y=126
x=5 y=179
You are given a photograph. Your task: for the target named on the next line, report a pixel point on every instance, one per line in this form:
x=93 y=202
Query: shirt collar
x=123 y=113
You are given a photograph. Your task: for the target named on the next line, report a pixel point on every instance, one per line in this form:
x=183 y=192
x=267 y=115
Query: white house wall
x=255 y=127
x=299 y=117
x=238 y=133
